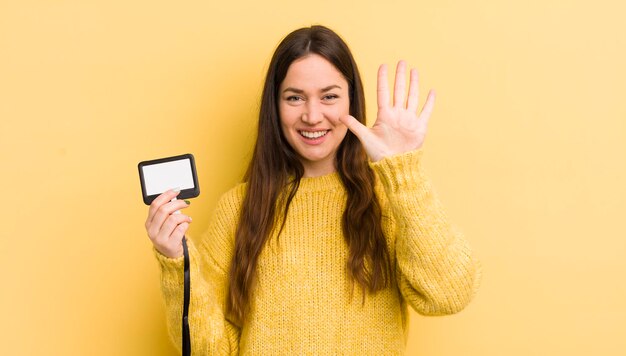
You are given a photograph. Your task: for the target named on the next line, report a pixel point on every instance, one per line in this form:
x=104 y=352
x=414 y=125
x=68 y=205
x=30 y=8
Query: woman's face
x=312 y=97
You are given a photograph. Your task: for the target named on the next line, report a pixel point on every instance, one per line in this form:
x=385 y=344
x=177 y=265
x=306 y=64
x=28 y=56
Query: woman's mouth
x=313 y=134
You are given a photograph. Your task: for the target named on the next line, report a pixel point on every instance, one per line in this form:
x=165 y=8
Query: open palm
x=398 y=127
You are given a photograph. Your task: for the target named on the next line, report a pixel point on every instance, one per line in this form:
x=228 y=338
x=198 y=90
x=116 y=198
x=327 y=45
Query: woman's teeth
x=316 y=134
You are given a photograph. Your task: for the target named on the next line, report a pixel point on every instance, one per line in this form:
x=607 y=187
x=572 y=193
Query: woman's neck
x=317 y=169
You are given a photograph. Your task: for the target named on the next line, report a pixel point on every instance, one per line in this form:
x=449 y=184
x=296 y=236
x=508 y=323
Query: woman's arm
x=436 y=270
x=211 y=332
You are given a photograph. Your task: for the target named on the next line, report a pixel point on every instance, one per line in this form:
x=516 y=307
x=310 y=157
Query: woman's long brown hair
x=274 y=174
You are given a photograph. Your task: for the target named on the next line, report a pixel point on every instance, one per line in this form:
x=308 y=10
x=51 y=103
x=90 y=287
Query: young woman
x=335 y=228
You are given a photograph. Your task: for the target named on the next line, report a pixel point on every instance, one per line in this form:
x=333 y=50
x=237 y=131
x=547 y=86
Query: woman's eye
x=330 y=97
x=293 y=98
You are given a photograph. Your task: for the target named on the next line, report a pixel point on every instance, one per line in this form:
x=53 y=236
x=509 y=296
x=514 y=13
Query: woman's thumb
x=355 y=126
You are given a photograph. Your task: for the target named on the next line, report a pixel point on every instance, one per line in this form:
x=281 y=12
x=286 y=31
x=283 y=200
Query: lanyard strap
x=186 y=337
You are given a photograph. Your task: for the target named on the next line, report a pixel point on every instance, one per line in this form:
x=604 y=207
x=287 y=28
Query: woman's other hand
x=398 y=127
x=165 y=227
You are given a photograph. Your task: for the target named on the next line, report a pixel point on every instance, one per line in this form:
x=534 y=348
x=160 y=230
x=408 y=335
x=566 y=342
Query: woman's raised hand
x=398 y=127
x=166 y=228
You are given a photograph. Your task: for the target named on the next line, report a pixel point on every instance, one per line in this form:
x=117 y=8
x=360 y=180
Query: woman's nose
x=313 y=114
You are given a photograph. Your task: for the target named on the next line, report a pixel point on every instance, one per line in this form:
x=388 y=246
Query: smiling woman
x=314 y=95
x=327 y=205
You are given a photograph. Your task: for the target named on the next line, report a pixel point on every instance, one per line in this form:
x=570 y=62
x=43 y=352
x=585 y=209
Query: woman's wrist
x=400 y=170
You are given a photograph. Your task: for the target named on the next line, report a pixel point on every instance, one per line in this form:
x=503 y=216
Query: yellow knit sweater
x=302 y=301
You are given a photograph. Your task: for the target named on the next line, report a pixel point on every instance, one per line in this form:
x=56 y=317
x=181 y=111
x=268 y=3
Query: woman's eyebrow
x=330 y=87
x=300 y=91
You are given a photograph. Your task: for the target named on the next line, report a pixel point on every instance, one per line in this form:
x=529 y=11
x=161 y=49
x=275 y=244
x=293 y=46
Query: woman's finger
x=175 y=241
x=361 y=131
x=163 y=213
x=413 y=101
x=169 y=226
x=400 y=85
x=163 y=198
x=382 y=87
x=427 y=109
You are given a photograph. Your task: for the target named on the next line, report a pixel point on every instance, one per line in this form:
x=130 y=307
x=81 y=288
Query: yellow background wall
x=526 y=149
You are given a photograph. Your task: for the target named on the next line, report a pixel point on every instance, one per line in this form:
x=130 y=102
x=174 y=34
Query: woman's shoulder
x=226 y=213
x=235 y=193
x=231 y=200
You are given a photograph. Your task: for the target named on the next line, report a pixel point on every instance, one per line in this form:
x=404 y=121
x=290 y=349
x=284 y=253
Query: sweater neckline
x=328 y=182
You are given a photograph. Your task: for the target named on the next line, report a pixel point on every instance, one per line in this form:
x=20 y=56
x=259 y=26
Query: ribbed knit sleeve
x=436 y=269
x=210 y=255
